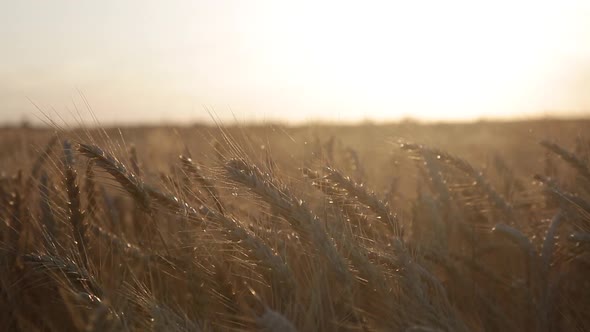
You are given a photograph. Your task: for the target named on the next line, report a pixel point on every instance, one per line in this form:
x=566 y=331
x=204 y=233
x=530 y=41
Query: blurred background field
x=376 y=145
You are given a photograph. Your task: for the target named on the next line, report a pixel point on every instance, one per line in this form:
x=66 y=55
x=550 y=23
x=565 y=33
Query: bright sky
x=270 y=60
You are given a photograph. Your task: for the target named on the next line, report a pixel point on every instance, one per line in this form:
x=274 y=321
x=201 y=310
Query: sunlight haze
x=181 y=61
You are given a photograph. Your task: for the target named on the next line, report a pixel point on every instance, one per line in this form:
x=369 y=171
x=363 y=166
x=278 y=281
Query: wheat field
x=399 y=227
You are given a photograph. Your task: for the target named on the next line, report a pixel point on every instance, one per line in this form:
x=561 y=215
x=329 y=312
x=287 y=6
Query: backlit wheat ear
x=47 y=218
x=547 y=283
x=569 y=157
x=549 y=242
x=65 y=267
x=361 y=193
x=134 y=185
x=349 y=206
x=194 y=172
x=293 y=209
x=76 y=215
x=495 y=198
x=141 y=192
x=579 y=204
x=90 y=189
x=358 y=255
x=130 y=182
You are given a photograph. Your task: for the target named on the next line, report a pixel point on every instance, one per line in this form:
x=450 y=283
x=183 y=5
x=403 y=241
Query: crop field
x=395 y=227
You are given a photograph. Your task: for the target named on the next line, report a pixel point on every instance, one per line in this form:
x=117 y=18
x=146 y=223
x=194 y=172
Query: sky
x=186 y=61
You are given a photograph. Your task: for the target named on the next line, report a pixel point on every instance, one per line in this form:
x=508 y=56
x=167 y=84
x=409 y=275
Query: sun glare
x=299 y=61
x=433 y=60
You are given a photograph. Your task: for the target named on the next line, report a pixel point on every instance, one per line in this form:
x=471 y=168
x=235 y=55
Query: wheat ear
x=293 y=209
x=361 y=193
x=495 y=198
x=74 y=206
x=195 y=172
x=569 y=157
